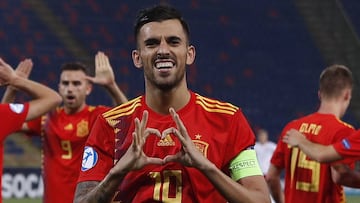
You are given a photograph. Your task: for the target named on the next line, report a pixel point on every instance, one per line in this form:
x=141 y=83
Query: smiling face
x=163 y=52
x=74 y=88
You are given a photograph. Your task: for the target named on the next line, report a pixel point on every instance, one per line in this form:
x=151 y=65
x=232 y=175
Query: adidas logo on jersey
x=167 y=141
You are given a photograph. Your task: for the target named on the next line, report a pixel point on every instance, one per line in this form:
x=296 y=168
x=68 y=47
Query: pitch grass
x=25 y=200
x=350 y=199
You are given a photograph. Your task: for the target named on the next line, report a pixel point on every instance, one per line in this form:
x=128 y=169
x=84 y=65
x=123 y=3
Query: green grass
x=25 y=200
x=353 y=198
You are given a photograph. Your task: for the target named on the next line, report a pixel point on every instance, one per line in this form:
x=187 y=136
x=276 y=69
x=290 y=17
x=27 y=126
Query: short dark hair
x=75 y=66
x=334 y=79
x=159 y=13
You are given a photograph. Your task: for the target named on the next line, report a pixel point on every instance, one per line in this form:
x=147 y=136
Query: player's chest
x=70 y=128
x=203 y=137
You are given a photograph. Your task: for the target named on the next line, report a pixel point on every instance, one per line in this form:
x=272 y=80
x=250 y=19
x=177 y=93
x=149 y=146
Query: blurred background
x=264 y=56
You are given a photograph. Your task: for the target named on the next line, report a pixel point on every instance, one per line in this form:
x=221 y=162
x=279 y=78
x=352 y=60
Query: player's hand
x=135 y=158
x=293 y=137
x=24 y=68
x=104 y=74
x=189 y=155
x=7 y=74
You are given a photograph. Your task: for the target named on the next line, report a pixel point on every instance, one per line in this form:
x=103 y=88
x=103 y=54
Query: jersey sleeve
x=13 y=116
x=98 y=110
x=34 y=126
x=278 y=157
x=98 y=153
x=241 y=136
x=349 y=147
x=342 y=135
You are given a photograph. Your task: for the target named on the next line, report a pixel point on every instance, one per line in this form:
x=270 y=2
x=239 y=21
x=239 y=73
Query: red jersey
x=349 y=148
x=307 y=180
x=63 y=139
x=219 y=130
x=12 y=118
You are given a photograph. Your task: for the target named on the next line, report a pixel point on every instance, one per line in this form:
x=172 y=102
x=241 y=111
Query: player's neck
x=69 y=110
x=330 y=108
x=160 y=101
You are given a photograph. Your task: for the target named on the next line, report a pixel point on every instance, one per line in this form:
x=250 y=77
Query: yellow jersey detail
x=201 y=146
x=69 y=127
x=82 y=128
x=123 y=110
x=346 y=124
x=91 y=108
x=212 y=105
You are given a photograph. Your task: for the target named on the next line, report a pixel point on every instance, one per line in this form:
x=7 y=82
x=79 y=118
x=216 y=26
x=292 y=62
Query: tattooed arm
x=133 y=159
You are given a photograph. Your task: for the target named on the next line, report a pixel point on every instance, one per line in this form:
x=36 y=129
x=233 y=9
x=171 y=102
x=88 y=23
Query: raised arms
x=104 y=75
x=44 y=98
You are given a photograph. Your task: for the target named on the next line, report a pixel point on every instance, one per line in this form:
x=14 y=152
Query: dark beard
x=165 y=87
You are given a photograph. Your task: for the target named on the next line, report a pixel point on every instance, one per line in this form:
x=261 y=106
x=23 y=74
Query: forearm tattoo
x=92 y=191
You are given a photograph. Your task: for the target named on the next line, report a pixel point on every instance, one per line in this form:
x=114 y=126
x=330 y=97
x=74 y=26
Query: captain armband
x=244 y=165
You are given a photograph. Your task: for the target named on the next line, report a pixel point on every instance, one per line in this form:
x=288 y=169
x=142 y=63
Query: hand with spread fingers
x=135 y=158
x=104 y=74
x=24 y=68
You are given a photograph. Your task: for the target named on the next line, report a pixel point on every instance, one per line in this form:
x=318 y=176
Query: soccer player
x=171 y=144
x=348 y=148
x=264 y=149
x=307 y=180
x=13 y=115
x=65 y=129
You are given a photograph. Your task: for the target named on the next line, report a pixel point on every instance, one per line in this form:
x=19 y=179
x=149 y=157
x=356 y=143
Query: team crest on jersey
x=82 y=129
x=90 y=158
x=201 y=145
x=17 y=108
x=166 y=141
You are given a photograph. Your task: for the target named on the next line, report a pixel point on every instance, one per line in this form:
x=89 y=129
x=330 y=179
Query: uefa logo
x=90 y=158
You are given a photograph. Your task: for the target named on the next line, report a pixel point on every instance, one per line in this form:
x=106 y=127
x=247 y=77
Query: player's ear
x=136 y=59
x=190 y=55
x=89 y=88
x=347 y=94
x=319 y=95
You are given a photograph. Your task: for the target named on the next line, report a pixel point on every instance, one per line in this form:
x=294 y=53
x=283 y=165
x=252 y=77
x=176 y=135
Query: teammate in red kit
x=65 y=129
x=307 y=180
x=171 y=144
x=13 y=115
x=347 y=148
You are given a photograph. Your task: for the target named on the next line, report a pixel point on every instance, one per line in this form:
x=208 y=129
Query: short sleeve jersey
x=63 y=139
x=12 y=118
x=307 y=180
x=219 y=131
x=349 y=148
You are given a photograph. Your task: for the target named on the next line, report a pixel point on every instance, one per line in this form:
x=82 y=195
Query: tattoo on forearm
x=93 y=191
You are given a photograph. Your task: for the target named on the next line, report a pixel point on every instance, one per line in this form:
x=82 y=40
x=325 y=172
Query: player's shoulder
x=124 y=109
x=318 y=120
x=345 y=124
x=57 y=111
x=215 y=105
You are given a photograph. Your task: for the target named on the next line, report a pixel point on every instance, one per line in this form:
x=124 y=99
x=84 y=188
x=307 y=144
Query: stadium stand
x=257 y=55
